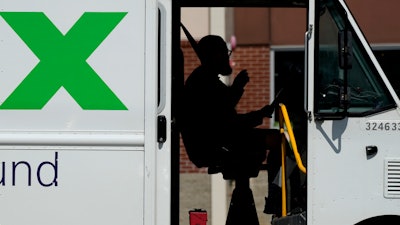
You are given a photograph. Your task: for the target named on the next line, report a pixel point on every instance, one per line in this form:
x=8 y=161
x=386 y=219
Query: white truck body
x=81 y=147
x=346 y=184
x=83 y=85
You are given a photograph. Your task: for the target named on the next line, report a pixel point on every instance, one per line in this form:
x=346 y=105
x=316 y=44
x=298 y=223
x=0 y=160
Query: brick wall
x=253 y=58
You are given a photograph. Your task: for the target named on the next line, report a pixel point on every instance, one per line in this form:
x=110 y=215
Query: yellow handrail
x=283 y=166
x=284 y=120
x=291 y=137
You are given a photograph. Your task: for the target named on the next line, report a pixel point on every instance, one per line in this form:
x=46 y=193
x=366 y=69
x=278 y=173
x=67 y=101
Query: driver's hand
x=267 y=111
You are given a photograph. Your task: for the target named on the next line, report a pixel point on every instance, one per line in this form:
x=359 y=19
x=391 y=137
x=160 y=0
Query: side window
x=355 y=91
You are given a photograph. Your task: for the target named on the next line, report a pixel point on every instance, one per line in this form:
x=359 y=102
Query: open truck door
x=353 y=123
x=352 y=119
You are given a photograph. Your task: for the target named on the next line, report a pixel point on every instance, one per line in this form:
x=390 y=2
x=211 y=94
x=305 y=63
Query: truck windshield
x=365 y=92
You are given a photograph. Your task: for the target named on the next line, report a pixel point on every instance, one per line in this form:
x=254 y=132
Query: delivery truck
x=89 y=105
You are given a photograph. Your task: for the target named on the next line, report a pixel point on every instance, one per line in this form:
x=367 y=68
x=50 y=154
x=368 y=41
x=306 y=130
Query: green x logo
x=63 y=61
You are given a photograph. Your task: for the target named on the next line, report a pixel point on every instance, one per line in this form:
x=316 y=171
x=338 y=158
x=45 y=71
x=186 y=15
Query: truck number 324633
x=382 y=125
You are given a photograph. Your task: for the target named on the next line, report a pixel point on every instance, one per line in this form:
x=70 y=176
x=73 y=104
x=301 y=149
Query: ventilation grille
x=392 y=178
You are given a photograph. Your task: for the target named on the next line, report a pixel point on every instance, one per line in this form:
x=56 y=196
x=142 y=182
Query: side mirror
x=345 y=50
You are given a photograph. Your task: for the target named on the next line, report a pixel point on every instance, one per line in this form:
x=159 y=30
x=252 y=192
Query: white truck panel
x=84 y=187
x=69 y=161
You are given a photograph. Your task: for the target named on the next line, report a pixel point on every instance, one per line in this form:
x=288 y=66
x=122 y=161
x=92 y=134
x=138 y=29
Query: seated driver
x=211 y=126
